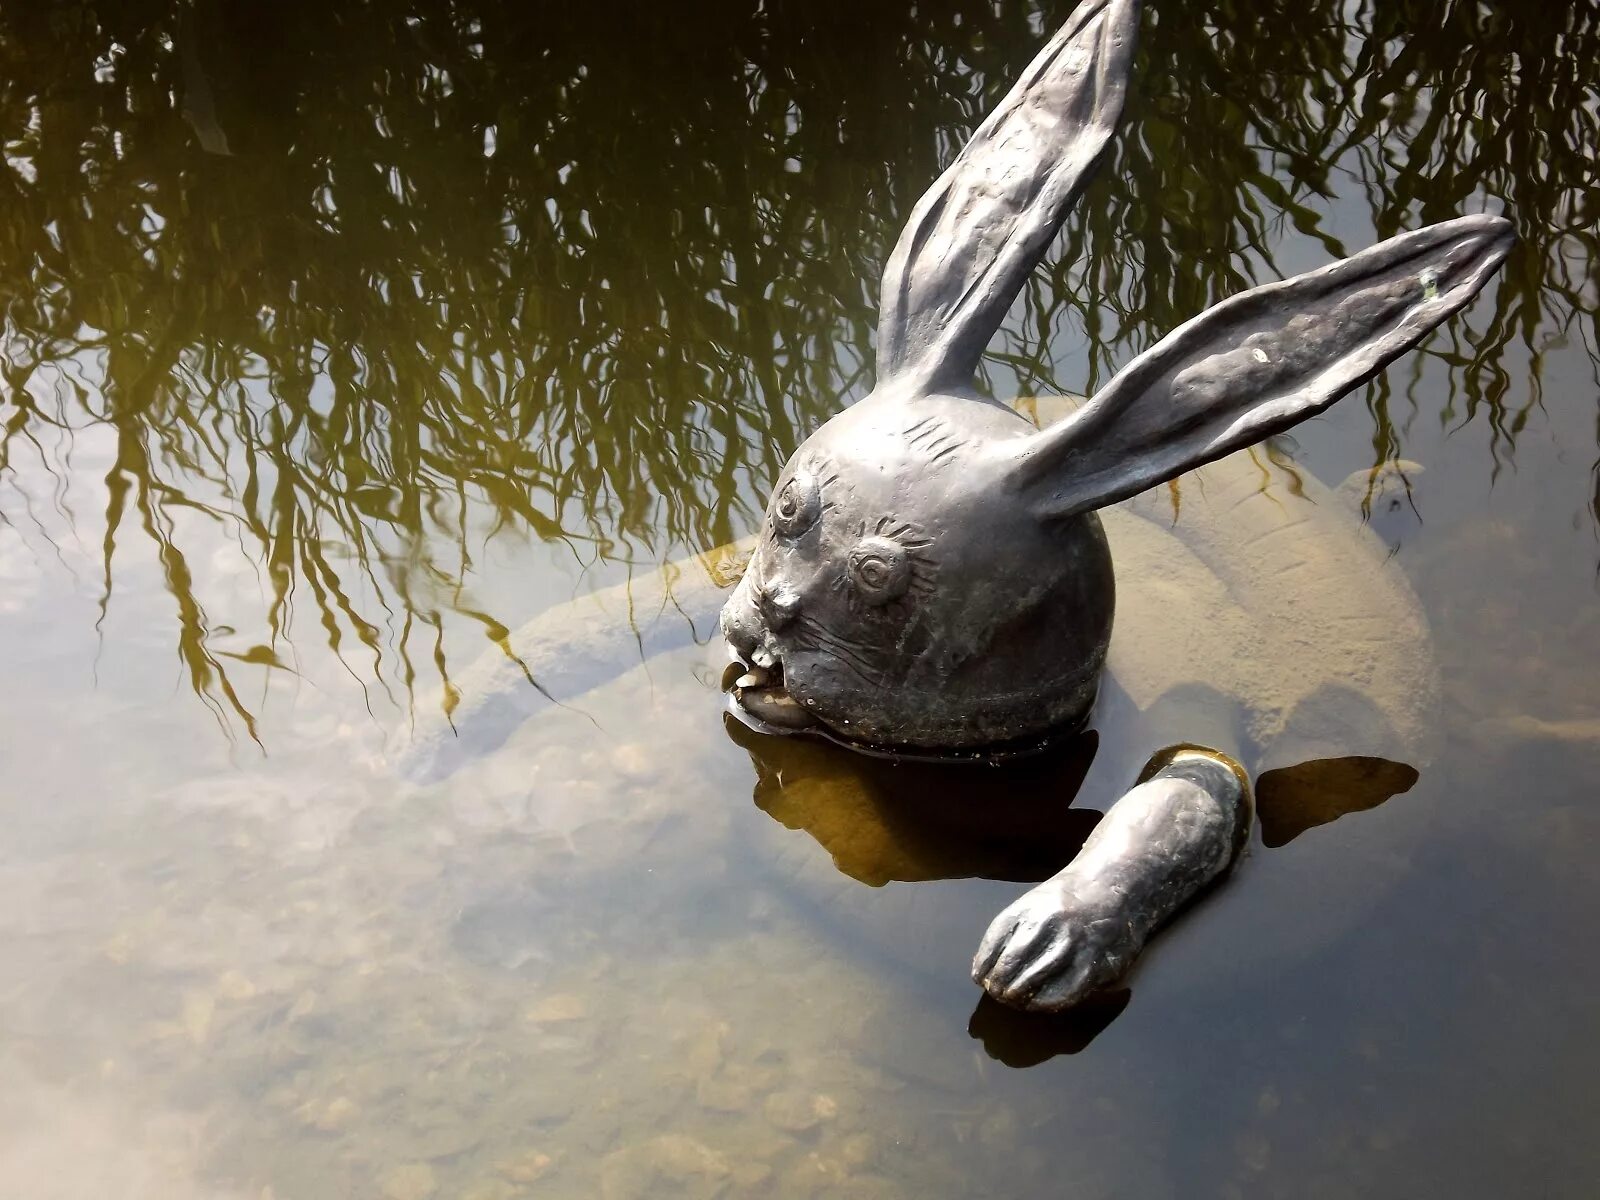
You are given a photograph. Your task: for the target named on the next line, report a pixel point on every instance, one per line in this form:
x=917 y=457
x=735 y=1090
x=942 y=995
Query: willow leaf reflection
x=367 y=287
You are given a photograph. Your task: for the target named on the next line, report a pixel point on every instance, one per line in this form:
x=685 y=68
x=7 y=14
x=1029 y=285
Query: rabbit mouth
x=758 y=696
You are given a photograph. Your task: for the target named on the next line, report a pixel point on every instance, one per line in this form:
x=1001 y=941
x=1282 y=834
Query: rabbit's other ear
x=978 y=232
x=1256 y=364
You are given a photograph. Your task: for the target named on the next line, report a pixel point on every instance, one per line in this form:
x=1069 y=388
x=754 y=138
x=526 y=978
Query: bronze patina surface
x=931 y=574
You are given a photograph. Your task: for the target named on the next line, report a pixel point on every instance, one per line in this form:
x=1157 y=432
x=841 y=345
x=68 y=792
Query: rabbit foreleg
x=1081 y=930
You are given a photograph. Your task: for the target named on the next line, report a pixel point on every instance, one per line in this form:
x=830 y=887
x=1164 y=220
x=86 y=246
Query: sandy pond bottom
x=554 y=975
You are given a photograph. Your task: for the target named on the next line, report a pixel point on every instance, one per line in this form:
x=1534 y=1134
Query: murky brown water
x=338 y=345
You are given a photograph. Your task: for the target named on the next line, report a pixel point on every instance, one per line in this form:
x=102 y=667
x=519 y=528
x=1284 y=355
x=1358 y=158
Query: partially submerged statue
x=932 y=576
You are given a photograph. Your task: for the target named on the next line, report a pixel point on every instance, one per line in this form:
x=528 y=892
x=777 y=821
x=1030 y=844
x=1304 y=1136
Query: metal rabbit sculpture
x=931 y=576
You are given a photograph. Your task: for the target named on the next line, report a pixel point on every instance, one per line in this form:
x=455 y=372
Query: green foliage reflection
x=365 y=285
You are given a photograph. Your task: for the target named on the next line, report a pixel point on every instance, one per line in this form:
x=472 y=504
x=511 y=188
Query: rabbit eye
x=798 y=505
x=881 y=569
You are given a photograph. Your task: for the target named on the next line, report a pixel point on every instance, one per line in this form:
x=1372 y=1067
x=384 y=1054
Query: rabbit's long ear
x=1256 y=364
x=978 y=232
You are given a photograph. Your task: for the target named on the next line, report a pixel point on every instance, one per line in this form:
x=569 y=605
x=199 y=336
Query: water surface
x=338 y=343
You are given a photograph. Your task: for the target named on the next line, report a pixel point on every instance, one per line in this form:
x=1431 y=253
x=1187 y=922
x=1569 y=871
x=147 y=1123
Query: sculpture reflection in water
x=885 y=822
x=932 y=576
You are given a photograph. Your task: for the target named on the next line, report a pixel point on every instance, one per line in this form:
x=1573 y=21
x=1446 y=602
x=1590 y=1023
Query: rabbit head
x=931 y=574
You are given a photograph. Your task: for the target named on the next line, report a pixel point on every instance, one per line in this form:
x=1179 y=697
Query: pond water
x=339 y=344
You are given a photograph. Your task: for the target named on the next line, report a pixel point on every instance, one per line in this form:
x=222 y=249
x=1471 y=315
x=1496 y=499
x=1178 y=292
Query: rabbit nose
x=780 y=604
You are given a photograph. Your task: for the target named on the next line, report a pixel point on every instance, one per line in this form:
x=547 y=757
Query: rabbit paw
x=1055 y=946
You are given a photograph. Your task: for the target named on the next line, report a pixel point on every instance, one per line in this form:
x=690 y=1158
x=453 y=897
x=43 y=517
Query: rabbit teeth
x=760 y=694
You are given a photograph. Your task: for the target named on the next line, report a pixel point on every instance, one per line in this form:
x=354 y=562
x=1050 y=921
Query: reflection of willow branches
x=363 y=336
x=1435 y=107
x=365 y=291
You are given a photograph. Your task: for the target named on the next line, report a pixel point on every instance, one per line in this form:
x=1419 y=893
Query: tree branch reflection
x=366 y=291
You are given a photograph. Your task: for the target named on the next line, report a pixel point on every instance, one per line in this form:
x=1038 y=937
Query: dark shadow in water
x=1291 y=800
x=362 y=290
x=1020 y=1039
x=882 y=821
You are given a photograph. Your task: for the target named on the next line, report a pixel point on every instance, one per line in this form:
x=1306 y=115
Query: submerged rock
x=798 y=1112
x=413 y=1181
x=671 y=1165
